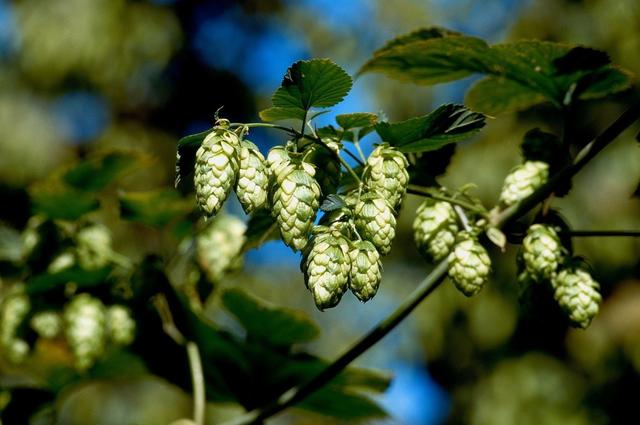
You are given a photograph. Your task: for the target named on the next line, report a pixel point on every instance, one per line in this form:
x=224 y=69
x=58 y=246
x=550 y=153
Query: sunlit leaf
x=447 y=124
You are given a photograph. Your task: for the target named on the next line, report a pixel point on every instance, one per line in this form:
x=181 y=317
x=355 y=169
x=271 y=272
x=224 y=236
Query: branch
x=433 y=280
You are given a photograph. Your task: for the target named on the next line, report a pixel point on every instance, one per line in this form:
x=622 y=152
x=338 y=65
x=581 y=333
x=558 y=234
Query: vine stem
x=197 y=379
x=435 y=277
x=427 y=192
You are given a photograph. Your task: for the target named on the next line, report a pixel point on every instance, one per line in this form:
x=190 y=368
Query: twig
x=197 y=379
x=433 y=280
x=427 y=192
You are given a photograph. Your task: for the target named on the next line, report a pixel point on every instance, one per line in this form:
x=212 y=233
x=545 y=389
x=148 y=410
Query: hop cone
x=121 y=328
x=219 y=246
x=375 y=221
x=386 y=172
x=577 y=294
x=328 y=169
x=277 y=159
x=469 y=265
x=435 y=228
x=366 y=270
x=523 y=180
x=94 y=247
x=326 y=265
x=253 y=178
x=47 y=324
x=85 y=323
x=13 y=310
x=295 y=202
x=541 y=251
x=62 y=261
x=216 y=169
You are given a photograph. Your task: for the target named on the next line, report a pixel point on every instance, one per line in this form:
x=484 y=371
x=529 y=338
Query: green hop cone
x=121 y=328
x=386 y=172
x=85 y=326
x=328 y=168
x=326 y=265
x=219 y=246
x=253 y=178
x=216 y=169
x=277 y=158
x=435 y=228
x=47 y=324
x=295 y=202
x=523 y=180
x=366 y=270
x=94 y=247
x=577 y=294
x=14 y=308
x=541 y=251
x=375 y=221
x=469 y=264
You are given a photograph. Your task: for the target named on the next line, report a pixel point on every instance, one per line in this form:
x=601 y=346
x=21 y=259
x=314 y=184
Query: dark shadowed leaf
x=579 y=59
x=272 y=325
x=447 y=124
x=332 y=202
x=261 y=228
x=97 y=173
x=64 y=204
x=155 y=207
x=186 y=155
x=494 y=95
x=356 y=120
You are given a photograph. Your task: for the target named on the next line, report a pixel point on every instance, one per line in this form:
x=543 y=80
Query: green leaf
x=155 y=207
x=63 y=204
x=605 y=82
x=97 y=173
x=186 y=155
x=272 y=325
x=356 y=120
x=332 y=202
x=418 y=35
x=494 y=95
x=447 y=124
x=261 y=228
x=342 y=404
x=316 y=83
x=277 y=113
x=79 y=276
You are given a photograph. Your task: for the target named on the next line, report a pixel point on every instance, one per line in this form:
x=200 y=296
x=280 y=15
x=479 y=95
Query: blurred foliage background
x=79 y=78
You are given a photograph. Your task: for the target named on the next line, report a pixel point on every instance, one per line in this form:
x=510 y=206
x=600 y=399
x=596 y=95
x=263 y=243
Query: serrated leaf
x=63 y=204
x=277 y=113
x=186 y=155
x=316 y=83
x=342 y=404
x=272 y=325
x=447 y=124
x=494 y=95
x=332 y=202
x=155 y=207
x=418 y=35
x=356 y=120
x=261 y=228
x=97 y=173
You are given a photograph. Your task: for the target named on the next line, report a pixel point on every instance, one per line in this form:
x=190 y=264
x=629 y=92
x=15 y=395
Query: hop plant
x=277 y=158
x=13 y=310
x=523 y=180
x=326 y=265
x=366 y=270
x=541 y=251
x=577 y=294
x=253 y=178
x=47 y=324
x=375 y=221
x=85 y=325
x=328 y=169
x=435 y=228
x=121 y=327
x=94 y=247
x=386 y=172
x=216 y=168
x=295 y=202
x=219 y=245
x=469 y=264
